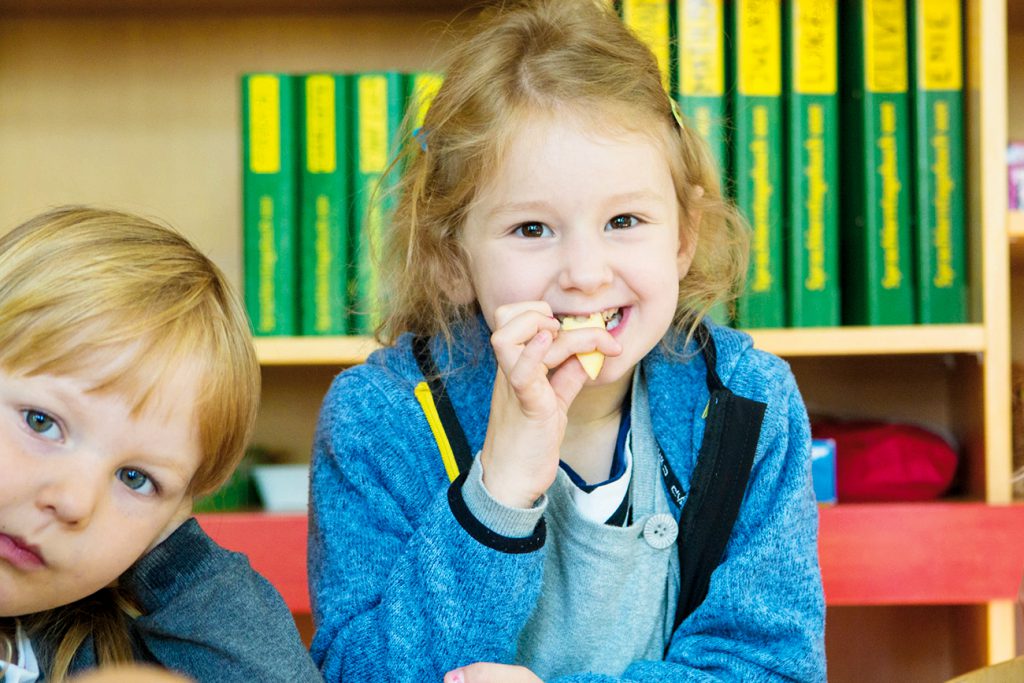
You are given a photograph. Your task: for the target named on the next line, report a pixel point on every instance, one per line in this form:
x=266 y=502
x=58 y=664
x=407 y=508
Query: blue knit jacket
x=401 y=591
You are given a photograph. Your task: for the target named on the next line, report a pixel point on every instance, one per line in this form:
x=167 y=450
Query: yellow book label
x=944 y=275
x=759 y=28
x=814 y=205
x=701 y=59
x=649 y=21
x=885 y=46
x=373 y=124
x=760 y=218
x=814 y=47
x=264 y=124
x=321 y=156
x=939 y=52
x=324 y=260
x=266 y=289
x=424 y=87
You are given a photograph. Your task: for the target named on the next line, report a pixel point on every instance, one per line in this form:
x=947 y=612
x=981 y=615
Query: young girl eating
x=557 y=468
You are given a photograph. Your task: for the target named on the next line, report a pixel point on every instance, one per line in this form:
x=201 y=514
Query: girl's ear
x=688 y=230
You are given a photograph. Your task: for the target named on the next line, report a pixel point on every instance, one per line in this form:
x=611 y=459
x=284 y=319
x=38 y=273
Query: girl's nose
x=586 y=265
x=72 y=496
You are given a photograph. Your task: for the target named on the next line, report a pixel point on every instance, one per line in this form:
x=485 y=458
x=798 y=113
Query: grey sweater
x=609 y=593
x=207 y=614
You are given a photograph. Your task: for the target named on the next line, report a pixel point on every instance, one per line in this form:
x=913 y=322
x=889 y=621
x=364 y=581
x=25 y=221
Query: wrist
x=505 y=488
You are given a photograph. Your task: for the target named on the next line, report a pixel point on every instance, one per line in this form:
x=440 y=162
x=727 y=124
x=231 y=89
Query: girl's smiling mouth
x=612 y=317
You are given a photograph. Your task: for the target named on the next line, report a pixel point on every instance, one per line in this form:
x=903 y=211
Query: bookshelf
x=134 y=104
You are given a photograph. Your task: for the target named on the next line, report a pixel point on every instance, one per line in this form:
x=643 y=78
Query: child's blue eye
x=533 y=230
x=42 y=424
x=136 y=480
x=623 y=221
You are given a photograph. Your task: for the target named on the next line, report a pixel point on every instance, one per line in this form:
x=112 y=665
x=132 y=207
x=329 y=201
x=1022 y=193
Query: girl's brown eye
x=623 y=221
x=532 y=229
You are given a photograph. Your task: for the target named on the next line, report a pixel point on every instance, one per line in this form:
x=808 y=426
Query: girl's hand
x=530 y=402
x=486 y=672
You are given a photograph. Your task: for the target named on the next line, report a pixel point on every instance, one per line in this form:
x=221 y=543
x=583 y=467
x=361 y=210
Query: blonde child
x=554 y=207
x=128 y=387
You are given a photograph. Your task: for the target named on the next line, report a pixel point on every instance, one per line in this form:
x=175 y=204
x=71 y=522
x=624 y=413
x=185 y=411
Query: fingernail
x=453 y=676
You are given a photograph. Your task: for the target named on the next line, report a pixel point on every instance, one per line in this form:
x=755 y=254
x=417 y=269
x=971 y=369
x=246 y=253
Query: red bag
x=883 y=462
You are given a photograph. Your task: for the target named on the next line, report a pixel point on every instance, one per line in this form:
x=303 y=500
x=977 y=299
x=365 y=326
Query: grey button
x=660 y=531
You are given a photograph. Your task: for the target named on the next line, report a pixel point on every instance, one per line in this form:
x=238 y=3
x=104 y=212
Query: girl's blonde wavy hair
x=127 y=300
x=513 y=61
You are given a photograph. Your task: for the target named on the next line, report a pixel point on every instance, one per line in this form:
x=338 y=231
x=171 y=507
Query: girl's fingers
x=528 y=377
x=510 y=339
x=568 y=344
x=487 y=672
x=505 y=313
x=567 y=381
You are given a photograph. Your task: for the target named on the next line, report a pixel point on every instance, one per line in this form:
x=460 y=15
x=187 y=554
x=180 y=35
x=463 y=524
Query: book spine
x=379 y=101
x=701 y=72
x=325 y=202
x=757 y=155
x=812 y=146
x=649 y=20
x=876 y=232
x=423 y=86
x=269 y=212
x=937 y=103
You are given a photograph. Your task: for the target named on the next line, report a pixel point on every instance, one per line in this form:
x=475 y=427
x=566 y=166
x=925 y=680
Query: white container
x=283 y=488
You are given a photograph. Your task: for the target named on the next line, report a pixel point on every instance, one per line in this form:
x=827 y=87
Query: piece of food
x=592 y=361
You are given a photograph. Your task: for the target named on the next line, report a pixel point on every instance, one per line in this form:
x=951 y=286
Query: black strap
x=718 y=484
x=449 y=420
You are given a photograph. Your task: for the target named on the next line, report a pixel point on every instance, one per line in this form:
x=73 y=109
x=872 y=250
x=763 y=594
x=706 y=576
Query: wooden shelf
x=342 y=351
x=791 y=343
x=871 y=341
x=1015 y=229
x=882 y=554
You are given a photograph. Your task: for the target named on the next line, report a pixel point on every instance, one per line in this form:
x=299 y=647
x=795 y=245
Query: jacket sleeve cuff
x=506 y=529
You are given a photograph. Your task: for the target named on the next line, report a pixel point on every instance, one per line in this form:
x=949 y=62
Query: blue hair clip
x=421 y=135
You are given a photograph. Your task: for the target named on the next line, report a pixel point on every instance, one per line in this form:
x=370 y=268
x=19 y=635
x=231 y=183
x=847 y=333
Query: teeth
x=606 y=316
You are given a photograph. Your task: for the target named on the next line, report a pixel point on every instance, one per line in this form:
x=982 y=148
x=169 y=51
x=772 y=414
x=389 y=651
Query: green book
x=936 y=85
x=269 y=211
x=812 y=161
x=757 y=151
x=700 y=67
x=378 y=104
x=422 y=86
x=649 y=20
x=326 y=195
x=875 y=229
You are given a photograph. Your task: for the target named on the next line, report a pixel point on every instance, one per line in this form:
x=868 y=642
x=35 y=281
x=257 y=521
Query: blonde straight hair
x=514 y=60
x=82 y=288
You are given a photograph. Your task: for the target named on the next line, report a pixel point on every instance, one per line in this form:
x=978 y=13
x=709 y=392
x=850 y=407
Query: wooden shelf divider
x=788 y=343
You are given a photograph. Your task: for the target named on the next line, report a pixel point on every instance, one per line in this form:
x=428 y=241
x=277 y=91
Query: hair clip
x=421 y=135
x=676 y=114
